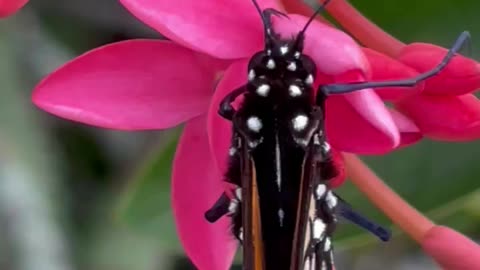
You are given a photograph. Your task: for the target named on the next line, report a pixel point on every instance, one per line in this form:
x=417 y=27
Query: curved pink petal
x=385 y=68
x=224 y=29
x=455 y=118
x=409 y=132
x=196 y=186
x=131 y=85
x=219 y=129
x=451 y=250
x=8 y=7
x=460 y=76
x=360 y=123
x=334 y=52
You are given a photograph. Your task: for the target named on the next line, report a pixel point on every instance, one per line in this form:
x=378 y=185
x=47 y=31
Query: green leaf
x=145 y=203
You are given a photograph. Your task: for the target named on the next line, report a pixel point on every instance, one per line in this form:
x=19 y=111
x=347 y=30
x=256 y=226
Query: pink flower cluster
x=157 y=84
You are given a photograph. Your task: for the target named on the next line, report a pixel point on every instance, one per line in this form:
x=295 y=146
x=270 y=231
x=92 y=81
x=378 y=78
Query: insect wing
x=253 y=254
x=315 y=220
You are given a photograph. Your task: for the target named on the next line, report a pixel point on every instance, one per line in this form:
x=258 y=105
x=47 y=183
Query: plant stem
x=392 y=205
x=368 y=33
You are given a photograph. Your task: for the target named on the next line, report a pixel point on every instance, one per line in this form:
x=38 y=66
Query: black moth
x=283 y=211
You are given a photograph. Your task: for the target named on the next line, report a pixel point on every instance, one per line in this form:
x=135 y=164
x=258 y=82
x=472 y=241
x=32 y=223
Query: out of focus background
x=74 y=197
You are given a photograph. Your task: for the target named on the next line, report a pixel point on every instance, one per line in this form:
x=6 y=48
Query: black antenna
x=301 y=34
x=266 y=24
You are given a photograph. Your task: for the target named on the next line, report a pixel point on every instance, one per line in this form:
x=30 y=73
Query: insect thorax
x=277 y=121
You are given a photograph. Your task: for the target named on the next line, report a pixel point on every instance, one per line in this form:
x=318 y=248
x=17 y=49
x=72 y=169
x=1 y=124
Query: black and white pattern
x=280 y=159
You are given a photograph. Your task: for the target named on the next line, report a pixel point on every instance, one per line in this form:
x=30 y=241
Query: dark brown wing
x=316 y=221
x=253 y=254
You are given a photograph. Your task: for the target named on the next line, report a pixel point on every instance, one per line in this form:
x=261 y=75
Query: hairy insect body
x=280 y=126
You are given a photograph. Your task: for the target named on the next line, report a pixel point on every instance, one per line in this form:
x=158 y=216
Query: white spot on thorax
x=326 y=147
x=297 y=55
x=251 y=75
x=307 y=264
x=316 y=139
x=313 y=262
x=328 y=244
x=240 y=234
x=284 y=50
x=278 y=163
x=318 y=228
x=238 y=193
x=321 y=188
x=300 y=141
x=263 y=90
x=253 y=144
x=232 y=151
x=309 y=79
x=331 y=200
x=300 y=122
x=281 y=216
x=270 y=64
x=294 y=90
x=292 y=66
x=254 y=124
x=233 y=206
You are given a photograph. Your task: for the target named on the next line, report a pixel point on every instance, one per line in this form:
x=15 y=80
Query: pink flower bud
x=450 y=118
x=460 y=76
x=451 y=250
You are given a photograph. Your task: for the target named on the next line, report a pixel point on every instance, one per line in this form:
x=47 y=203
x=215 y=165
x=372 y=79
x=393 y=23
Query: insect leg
x=226 y=109
x=219 y=209
x=351 y=87
x=320 y=251
x=351 y=215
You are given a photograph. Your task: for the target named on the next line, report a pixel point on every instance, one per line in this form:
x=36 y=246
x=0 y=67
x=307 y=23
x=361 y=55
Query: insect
x=283 y=210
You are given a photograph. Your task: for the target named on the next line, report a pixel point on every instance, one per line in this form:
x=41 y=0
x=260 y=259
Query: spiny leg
x=319 y=254
x=326 y=171
x=350 y=87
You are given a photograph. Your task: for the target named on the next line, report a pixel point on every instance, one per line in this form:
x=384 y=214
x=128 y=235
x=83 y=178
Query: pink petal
x=455 y=118
x=451 y=250
x=409 y=132
x=8 y=7
x=386 y=68
x=224 y=29
x=219 y=129
x=360 y=123
x=339 y=163
x=197 y=185
x=130 y=85
x=460 y=76
x=334 y=52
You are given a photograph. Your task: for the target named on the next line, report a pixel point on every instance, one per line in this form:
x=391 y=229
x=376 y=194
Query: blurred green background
x=77 y=197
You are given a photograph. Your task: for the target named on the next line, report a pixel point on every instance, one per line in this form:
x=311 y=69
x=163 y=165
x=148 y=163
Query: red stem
x=382 y=196
x=363 y=29
x=297 y=7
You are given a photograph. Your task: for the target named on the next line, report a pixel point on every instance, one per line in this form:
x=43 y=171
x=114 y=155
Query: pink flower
x=153 y=84
x=441 y=108
x=8 y=7
x=451 y=250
